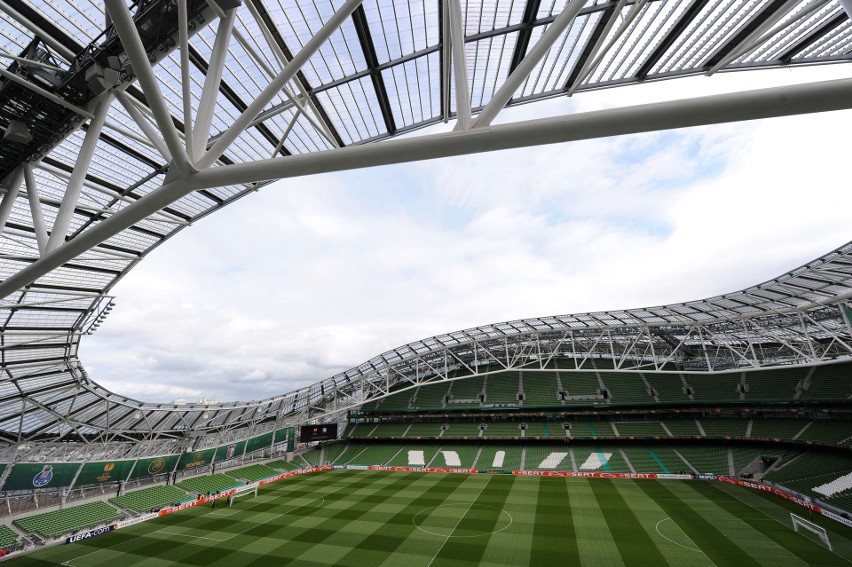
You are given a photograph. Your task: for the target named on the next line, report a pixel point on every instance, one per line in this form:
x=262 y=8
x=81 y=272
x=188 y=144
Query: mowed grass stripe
x=479 y=521
x=797 y=544
x=553 y=532
x=634 y=544
x=400 y=530
x=593 y=535
x=704 y=534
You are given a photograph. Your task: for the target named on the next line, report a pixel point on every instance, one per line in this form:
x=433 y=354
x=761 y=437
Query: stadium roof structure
x=124 y=123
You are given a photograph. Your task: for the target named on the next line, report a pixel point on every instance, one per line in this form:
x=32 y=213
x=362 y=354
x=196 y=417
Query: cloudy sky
x=314 y=275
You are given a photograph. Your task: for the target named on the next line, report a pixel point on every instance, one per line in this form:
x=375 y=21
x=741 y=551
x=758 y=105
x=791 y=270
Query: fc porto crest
x=44 y=477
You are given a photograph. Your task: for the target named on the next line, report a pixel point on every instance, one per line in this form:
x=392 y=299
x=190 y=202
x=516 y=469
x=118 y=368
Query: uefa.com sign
x=80 y=537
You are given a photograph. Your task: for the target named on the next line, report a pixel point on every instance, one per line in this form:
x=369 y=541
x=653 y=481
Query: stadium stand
x=8 y=537
x=253 y=472
x=540 y=389
x=724 y=427
x=647 y=429
x=425 y=430
x=580 y=387
x=682 y=427
x=500 y=457
x=414 y=456
x=58 y=522
x=150 y=498
x=669 y=459
x=462 y=429
x=776 y=428
x=502 y=429
x=313 y=456
x=626 y=388
x=369 y=454
x=830 y=382
x=282 y=465
x=828 y=431
x=773 y=384
x=208 y=483
x=502 y=389
x=466 y=393
x=667 y=387
x=644 y=460
x=547 y=457
x=456 y=456
x=716 y=388
x=706 y=459
x=430 y=396
x=388 y=430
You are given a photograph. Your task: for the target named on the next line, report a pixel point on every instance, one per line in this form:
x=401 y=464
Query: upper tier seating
x=254 y=472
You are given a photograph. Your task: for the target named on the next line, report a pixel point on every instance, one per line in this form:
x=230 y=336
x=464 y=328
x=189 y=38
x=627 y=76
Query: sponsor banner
x=260 y=442
x=106 y=471
x=706 y=476
x=339 y=466
x=29 y=476
x=230 y=451
x=587 y=474
x=137 y=520
x=294 y=473
x=195 y=459
x=193 y=503
x=833 y=516
x=675 y=476
x=357 y=467
x=153 y=466
x=773 y=490
x=421 y=469
x=80 y=537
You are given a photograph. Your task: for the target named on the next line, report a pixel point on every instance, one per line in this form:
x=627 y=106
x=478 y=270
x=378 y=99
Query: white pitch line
x=696 y=548
x=759 y=511
x=446 y=539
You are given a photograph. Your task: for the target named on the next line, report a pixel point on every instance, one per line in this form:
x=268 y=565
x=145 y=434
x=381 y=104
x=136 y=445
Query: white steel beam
x=526 y=66
x=40 y=33
x=715 y=109
x=210 y=91
x=760 y=34
x=126 y=29
x=186 y=83
x=144 y=124
x=35 y=209
x=81 y=167
x=274 y=87
x=13 y=186
x=598 y=53
x=462 y=88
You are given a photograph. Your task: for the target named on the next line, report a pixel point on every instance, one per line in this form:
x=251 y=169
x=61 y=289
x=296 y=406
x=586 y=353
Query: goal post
x=801 y=523
x=250 y=491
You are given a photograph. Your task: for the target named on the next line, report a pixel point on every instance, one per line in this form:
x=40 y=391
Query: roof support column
x=144 y=124
x=526 y=66
x=209 y=94
x=13 y=186
x=126 y=28
x=183 y=43
x=35 y=210
x=273 y=88
x=81 y=167
x=459 y=62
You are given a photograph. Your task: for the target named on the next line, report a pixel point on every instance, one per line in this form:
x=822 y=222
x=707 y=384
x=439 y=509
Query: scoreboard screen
x=319 y=432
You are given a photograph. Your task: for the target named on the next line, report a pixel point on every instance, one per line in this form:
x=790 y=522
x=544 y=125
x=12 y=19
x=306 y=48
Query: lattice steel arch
x=203 y=102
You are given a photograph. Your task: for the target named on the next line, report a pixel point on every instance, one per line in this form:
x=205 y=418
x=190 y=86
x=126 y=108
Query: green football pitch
x=366 y=519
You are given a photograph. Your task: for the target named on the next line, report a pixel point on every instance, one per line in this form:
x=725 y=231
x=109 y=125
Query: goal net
x=799 y=523
x=250 y=492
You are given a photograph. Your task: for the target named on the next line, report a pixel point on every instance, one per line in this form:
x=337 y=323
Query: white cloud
x=315 y=275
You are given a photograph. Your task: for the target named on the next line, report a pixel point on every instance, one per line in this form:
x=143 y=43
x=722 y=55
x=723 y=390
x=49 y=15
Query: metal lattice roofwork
x=125 y=122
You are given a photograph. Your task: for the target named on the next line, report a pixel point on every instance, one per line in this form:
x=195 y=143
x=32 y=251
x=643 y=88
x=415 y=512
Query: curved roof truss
x=202 y=102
